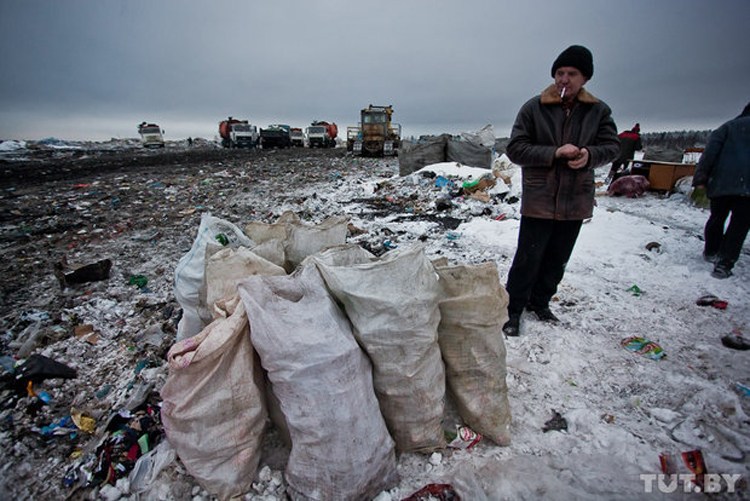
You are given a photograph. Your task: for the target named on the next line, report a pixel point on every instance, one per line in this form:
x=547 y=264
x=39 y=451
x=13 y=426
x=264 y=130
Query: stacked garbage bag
x=349 y=355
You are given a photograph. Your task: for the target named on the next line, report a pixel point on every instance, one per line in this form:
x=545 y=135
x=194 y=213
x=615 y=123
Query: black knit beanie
x=578 y=57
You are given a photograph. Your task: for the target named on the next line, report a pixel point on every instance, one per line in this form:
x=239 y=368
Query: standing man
x=559 y=137
x=630 y=142
x=724 y=172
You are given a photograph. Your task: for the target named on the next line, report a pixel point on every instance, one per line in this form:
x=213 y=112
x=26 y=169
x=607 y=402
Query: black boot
x=543 y=313
x=722 y=270
x=513 y=325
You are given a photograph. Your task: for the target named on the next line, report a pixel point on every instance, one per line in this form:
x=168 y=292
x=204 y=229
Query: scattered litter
x=464 y=438
x=744 y=389
x=83 y=422
x=735 y=342
x=667 y=463
x=88 y=273
x=434 y=492
x=695 y=463
x=654 y=247
x=444 y=182
x=556 y=423
x=711 y=300
x=222 y=239
x=38 y=368
x=139 y=281
x=644 y=347
x=635 y=290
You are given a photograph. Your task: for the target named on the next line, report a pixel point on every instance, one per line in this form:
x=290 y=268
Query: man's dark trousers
x=544 y=247
x=727 y=245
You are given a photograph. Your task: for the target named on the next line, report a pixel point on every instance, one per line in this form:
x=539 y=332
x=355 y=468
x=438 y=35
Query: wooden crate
x=662 y=176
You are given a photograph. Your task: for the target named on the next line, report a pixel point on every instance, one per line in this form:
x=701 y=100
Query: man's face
x=570 y=79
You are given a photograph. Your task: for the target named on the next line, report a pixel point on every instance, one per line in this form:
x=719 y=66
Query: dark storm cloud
x=86 y=69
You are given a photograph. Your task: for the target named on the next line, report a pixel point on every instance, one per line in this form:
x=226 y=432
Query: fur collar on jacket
x=550 y=95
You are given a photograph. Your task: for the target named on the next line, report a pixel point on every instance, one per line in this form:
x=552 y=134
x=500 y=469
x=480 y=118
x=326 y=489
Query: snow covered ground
x=622 y=409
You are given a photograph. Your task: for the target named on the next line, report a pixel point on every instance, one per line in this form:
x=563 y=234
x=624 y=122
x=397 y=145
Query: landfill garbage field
x=633 y=381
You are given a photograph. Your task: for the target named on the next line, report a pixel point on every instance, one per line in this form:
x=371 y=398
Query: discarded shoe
x=721 y=272
x=543 y=313
x=512 y=326
x=711 y=300
x=735 y=342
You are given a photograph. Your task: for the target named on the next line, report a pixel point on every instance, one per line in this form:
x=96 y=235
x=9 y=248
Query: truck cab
x=297 y=137
x=238 y=133
x=152 y=136
x=244 y=135
x=379 y=135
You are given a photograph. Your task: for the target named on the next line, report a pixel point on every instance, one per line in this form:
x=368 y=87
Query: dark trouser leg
x=614 y=170
x=556 y=256
x=713 y=233
x=739 y=224
x=533 y=237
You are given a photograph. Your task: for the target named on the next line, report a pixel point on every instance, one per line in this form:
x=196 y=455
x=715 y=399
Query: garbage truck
x=276 y=136
x=322 y=134
x=152 y=136
x=377 y=136
x=297 y=136
x=238 y=133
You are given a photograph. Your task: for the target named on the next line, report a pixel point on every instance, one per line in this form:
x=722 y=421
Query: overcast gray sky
x=94 y=69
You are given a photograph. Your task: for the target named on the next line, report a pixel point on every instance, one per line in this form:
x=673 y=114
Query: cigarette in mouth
x=562 y=93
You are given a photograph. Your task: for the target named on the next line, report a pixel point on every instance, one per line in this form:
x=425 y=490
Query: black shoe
x=721 y=272
x=512 y=326
x=735 y=342
x=543 y=313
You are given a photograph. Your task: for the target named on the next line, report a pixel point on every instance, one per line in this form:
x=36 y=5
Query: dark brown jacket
x=551 y=189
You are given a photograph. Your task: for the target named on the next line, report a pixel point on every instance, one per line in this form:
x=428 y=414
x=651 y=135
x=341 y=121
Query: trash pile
x=92 y=247
x=102 y=249
x=354 y=355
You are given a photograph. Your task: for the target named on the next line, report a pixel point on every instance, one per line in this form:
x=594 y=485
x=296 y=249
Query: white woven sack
x=341 y=449
x=225 y=268
x=213 y=411
x=392 y=303
x=189 y=276
x=473 y=309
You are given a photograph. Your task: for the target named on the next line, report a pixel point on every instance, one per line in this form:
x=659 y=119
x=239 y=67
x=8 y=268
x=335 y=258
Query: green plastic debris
x=470 y=184
x=143 y=443
x=222 y=239
x=635 y=290
x=138 y=280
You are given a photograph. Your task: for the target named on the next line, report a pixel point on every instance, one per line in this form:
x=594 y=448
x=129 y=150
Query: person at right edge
x=724 y=173
x=558 y=138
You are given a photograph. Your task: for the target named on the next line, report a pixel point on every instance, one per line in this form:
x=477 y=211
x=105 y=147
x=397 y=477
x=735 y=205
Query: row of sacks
x=351 y=357
x=205 y=273
x=475 y=150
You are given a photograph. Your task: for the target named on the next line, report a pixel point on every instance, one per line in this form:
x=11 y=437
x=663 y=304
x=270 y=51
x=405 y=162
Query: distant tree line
x=675 y=140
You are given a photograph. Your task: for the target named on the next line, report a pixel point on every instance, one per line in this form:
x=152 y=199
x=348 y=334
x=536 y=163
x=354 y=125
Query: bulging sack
x=341 y=449
x=225 y=268
x=189 y=277
x=473 y=309
x=213 y=411
x=392 y=303
x=298 y=240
